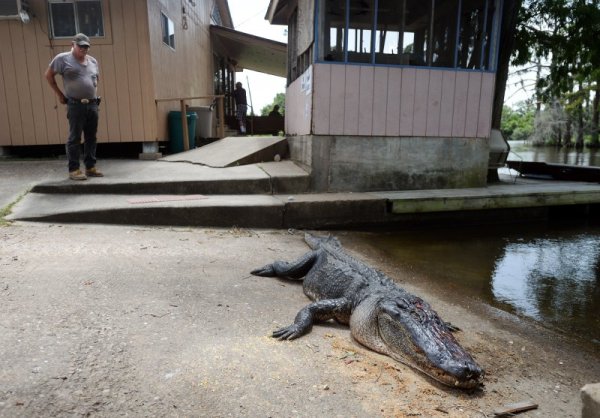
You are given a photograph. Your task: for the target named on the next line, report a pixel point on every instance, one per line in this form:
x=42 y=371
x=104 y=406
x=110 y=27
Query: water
x=549 y=274
x=521 y=150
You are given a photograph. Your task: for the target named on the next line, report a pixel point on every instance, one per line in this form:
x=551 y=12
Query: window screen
x=68 y=18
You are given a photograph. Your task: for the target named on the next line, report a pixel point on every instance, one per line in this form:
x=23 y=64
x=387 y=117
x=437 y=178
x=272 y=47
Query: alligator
x=382 y=316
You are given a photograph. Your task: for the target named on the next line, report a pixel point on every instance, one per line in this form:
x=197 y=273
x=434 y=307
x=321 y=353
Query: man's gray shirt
x=80 y=81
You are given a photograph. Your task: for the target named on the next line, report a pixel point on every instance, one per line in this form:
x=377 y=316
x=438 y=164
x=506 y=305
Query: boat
x=551 y=171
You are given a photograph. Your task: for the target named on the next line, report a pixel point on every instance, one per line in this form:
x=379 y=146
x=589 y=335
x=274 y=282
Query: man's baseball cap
x=81 y=39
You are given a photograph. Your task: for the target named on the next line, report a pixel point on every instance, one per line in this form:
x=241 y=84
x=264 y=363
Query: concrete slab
x=272 y=195
x=232 y=151
x=154 y=177
x=503 y=195
x=590 y=396
x=18 y=176
x=258 y=211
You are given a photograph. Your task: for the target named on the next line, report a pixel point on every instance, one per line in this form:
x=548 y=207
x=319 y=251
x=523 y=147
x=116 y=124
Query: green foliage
x=564 y=33
x=563 y=36
x=518 y=124
x=279 y=100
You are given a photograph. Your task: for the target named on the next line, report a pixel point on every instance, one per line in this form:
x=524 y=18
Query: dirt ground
x=112 y=321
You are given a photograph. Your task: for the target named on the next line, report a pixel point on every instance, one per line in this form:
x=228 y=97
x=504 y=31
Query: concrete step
x=250 y=211
x=164 y=177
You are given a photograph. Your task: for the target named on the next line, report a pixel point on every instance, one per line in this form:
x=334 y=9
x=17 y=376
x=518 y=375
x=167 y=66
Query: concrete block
x=150 y=147
x=150 y=155
x=361 y=164
x=590 y=396
x=150 y=151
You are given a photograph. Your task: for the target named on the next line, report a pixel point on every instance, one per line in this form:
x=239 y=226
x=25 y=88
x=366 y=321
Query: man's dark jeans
x=83 y=118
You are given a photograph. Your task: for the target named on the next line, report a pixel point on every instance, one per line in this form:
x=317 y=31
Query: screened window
x=433 y=33
x=68 y=18
x=335 y=30
x=168 y=30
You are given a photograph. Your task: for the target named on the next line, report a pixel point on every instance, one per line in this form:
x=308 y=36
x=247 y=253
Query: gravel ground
x=111 y=321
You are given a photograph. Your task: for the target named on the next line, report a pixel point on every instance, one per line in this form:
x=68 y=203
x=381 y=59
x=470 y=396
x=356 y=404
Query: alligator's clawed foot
x=451 y=327
x=288 y=333
x=265 y=271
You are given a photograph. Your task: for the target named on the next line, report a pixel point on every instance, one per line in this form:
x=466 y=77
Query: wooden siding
x=187 y=70
x=135 y=69
x=299 y=96
x=391 y=101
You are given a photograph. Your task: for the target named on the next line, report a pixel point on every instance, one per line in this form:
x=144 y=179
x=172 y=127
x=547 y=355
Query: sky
x=249 y=17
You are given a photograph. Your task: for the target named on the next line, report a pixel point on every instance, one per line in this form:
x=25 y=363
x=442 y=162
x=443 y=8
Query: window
x=168 y=30
x=9 y=8
x=68 y=18
x=335 y=30
x=475 y=34
x=432 y=33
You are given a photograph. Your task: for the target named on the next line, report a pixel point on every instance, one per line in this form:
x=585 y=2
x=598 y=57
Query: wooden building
x=390 y=94
x=147 y=50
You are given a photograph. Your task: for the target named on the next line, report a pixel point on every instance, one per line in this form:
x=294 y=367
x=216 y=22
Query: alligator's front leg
x=322 y=310
x=295 y=270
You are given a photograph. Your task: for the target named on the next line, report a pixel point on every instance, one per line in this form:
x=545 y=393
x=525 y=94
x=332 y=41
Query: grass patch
x=6 y=210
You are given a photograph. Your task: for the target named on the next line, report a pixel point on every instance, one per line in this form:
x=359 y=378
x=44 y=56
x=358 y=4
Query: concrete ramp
x=233 y=151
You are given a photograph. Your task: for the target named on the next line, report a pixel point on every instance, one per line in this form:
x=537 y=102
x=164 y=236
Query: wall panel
x=366 y=100
x=392 y=122
x=473 y=102
x=407 y=101
x=420 y=103
x=322 y=99
x=351 y=101
x=460 y=104
x=380 y=93
x=447 y=103
x=5 y=131
x=486 y=104
x=338 y=98
x=394 y=101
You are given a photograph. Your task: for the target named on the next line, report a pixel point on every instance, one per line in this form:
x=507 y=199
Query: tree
x=517 y=124
x=279 y=100
x=564 y=34
x=510 y=20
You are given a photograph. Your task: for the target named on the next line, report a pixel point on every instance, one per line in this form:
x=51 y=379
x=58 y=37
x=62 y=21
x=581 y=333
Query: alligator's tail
x=315 y=242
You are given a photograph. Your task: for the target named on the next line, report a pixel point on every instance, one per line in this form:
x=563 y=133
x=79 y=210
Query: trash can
x=176 y=131
x=204 y=126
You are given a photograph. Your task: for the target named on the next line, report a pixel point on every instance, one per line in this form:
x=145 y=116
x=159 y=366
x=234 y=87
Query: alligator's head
x=409 y=331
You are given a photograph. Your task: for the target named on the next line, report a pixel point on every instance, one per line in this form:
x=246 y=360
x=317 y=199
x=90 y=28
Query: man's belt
x=86 y=101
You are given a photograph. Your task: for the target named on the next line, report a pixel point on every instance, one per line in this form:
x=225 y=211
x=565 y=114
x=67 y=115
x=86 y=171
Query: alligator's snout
x=412 y=332
x=464 y=374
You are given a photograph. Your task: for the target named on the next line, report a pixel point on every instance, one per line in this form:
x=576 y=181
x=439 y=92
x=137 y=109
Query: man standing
x=80 y=79
x=241 y=106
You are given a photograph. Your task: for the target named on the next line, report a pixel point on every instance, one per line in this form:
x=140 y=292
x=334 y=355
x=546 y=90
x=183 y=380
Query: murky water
x=549 y=274
x=522 y=151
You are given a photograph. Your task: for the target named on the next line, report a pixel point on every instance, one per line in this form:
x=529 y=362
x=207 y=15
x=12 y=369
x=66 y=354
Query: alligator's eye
x=415 y=315
x=402 y=304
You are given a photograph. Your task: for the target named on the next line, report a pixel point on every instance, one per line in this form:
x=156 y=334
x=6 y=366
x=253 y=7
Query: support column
x=150 y=151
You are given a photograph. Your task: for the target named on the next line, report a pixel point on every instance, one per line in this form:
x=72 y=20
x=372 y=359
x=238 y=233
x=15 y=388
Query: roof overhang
x=225 y=13
x=277 y=12
x=249 y=51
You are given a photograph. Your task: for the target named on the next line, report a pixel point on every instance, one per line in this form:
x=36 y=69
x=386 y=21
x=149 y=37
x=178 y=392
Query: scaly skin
x=381 y=315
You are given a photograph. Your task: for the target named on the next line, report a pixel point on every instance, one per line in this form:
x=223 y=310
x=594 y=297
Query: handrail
x=183 y=107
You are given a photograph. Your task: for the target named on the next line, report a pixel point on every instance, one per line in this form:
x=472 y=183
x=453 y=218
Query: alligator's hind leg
x=295 y=270
x=322 y=310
